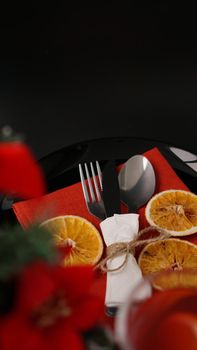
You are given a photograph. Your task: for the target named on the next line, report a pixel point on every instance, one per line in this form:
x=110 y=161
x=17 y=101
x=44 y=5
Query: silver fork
x=92 y=192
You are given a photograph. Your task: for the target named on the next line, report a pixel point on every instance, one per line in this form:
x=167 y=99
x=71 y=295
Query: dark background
x=71 y=72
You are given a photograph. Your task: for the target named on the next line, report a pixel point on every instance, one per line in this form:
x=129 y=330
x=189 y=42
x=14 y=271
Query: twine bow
x=126 y=248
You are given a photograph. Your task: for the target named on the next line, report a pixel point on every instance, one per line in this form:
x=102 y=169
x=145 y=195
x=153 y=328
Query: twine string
x=126 y=248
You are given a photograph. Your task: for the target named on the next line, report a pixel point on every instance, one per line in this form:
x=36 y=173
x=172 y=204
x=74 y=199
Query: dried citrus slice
x=174 y=211
x=78 y=233
x=170 y=254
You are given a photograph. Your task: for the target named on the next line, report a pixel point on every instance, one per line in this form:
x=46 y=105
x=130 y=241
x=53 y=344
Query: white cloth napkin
x=120 y=228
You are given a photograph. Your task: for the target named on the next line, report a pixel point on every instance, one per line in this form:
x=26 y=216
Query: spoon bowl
x=136 y=182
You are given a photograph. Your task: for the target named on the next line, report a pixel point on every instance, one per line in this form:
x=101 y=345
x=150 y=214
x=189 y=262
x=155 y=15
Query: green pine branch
x=19 y=248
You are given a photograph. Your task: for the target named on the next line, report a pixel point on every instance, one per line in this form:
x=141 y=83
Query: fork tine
x=85 y=191
x=89 y=183
x=95 y=182
x=99 y=174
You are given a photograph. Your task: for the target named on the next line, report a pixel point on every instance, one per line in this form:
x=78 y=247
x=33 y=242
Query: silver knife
x=111 y=198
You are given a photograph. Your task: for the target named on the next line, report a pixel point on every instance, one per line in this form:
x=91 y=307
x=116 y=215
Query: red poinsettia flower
x=20 y=174
x=53 y=306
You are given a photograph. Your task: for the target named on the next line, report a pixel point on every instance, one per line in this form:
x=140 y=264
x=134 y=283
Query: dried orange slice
x=78 y=233
x=170 y=254
x=173 y=210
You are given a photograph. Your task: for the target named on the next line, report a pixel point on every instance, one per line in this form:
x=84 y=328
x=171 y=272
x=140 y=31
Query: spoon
x=137 y=185
x=136 y=182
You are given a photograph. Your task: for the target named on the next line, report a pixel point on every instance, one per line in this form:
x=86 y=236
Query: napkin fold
x=120 y=283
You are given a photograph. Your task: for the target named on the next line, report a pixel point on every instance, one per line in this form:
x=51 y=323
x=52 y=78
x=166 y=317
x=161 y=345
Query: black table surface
x=73 y=71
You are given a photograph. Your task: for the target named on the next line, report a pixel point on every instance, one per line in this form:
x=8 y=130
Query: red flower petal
x=64 y=338
x=74 y=280
x=87 y=313
x=20 y=174
x=35 y=287
x=16 y=334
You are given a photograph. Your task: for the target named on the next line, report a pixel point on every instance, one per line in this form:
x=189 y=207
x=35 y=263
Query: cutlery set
x=134 y=185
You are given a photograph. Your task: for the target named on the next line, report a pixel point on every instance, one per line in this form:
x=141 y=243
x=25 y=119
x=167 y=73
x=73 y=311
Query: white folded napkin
x=121 y=228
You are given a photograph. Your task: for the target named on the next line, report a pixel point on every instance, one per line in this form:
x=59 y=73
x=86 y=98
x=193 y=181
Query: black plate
x=61 y=167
